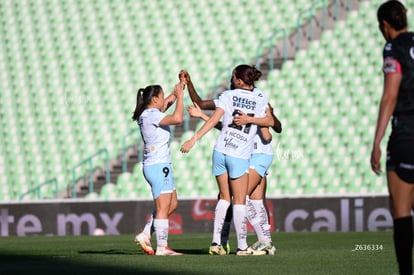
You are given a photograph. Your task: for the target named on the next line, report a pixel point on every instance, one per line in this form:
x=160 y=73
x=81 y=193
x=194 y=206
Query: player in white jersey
x=257 y=215
x=157 y=169
x=259 y=163
x=233 y=148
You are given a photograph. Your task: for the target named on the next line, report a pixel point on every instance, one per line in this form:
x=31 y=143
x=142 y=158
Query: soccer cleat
x=144 y=242
x=268 y=247
x=217 y=249
x=166 y=251
x=250 y=252
x=272 y=250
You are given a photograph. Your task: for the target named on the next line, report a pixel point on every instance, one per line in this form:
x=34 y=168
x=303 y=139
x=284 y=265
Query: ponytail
x=139 y=108
x=256 y=73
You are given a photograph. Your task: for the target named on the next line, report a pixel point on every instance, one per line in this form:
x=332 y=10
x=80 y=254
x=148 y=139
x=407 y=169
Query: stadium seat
x=92 y=196
x=108 y=191
x=77 y=85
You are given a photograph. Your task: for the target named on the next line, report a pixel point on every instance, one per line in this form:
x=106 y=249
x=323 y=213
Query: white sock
x=161 y=231
x=252 y=216
x=261 y=222
x=219 y=216
x=240 y=225
x=149 y=226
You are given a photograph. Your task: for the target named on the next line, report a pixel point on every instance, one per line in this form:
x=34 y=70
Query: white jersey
x=260 y=147
x=237 y=141
x=156 y=137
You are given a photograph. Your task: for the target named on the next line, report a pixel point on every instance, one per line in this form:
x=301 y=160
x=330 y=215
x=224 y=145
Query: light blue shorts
x=235 y=167
x=160 y=178
x=261 y=163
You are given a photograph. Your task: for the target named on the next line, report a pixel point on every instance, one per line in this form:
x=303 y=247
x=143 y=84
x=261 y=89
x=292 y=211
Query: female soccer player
x=232 y=151
x=157 y=169
x=397 y=101
x=259 y=163
x=257 y=215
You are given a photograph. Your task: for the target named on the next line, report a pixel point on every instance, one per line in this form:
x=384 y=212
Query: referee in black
x=397 y=102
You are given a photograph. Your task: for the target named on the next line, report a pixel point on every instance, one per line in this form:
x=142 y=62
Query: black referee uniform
x=399 y=58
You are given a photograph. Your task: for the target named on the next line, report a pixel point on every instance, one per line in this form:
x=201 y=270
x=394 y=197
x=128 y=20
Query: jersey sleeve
x=391 y=65
x=156 y=118
x=392 y=60
x=222 y=101
x=215 y=101
x=263 y=104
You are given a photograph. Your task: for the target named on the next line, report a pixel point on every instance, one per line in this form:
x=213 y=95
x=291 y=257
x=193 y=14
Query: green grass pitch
x=297 y=253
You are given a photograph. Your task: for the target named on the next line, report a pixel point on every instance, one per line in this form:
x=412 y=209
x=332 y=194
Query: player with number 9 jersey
x=157 y=169
x=156 y=137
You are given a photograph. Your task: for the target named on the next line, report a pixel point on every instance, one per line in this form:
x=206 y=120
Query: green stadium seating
x=70 y=71
x=341 y=110
x=108 y=191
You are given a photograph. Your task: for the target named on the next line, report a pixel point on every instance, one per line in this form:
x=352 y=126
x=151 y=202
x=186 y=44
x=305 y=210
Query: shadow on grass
x=61 y=265
x=107 y=252
x=120 y=252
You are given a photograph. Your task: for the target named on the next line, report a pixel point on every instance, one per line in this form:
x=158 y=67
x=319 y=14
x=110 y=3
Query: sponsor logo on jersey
x=244 y=103
x=407 y=166
x=388 y=47
x=390 y=65
x=228 y=142
x=238 y=136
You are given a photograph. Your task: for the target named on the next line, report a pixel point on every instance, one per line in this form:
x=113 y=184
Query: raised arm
x=206 y=104
x=177 y=116
x=169 y=101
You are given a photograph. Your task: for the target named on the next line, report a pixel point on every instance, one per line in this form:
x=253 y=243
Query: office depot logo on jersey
x=241 y=102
